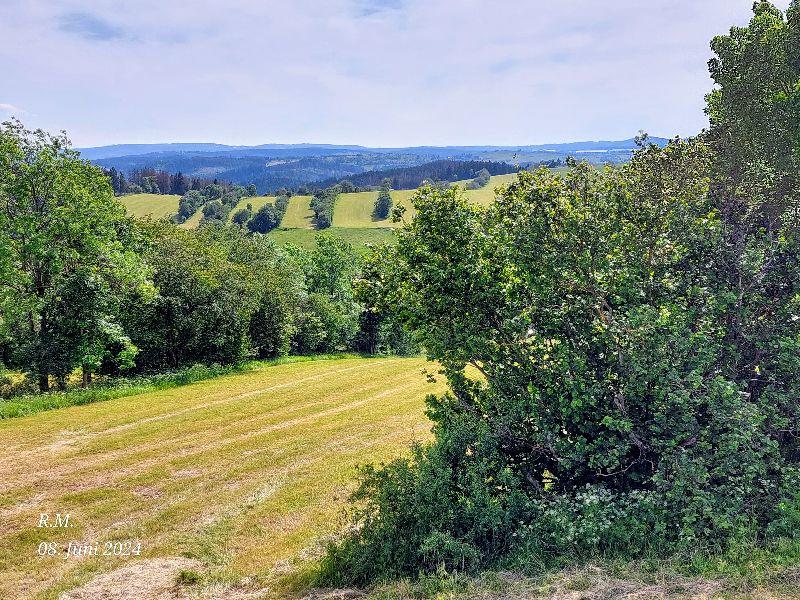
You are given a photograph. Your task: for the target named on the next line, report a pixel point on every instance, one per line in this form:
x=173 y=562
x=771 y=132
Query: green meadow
x=151 y=205
x=352 y=215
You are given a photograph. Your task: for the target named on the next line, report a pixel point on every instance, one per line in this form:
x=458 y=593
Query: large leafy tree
x=63 y=260
x=621 y=345
x=755 y=136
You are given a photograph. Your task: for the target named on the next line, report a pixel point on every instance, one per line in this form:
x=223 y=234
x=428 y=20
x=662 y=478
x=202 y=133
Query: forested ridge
x=410 y=178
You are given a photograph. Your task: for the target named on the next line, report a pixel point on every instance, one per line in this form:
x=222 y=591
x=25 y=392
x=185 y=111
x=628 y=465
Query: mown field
x=238 y=479
x=352 y=215
x=358 y=237
x=151 y=205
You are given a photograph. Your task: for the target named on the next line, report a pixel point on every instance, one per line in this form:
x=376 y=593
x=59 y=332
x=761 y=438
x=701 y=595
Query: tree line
x=85 y=288
x=153 y=181
x=410 y=178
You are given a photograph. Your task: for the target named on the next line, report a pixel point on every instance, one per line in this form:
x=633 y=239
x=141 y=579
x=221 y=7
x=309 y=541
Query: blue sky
x=371 y=72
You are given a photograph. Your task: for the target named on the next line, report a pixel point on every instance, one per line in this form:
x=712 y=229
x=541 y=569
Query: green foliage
x=322 y=203
x=215 y=199
x=265 y=220
x=380 y=331
x=281 y=204
x=242 y=216
x=383 y=203
x=84 y=287
x=64 y=257
x=215 y=212
x=635 y=331
x=482 y=178
x=328 y=320
x=188 y=205
x=214 y=288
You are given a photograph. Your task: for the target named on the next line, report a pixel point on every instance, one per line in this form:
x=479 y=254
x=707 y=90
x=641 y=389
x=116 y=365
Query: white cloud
x=377 y=72
x=10 y=108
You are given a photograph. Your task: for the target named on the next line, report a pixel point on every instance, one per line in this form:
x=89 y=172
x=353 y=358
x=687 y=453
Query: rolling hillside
x=240 y=476
x=352 y=215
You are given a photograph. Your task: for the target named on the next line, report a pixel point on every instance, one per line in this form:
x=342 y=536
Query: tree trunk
x=87 y=375
x=44 y=382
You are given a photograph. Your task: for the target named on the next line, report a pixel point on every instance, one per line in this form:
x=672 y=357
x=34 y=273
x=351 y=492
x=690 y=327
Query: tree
x=482 y=178
x=281 y=204
x=635 y=331
x=347 y=187
x=380 y=330
x=328 y=320
x=61 y=246
x=179 y=184
x=242 y=216
x=251 y=190
x=264 y=221
x=322 y=203
x=215 y=212
x=383 y=204
x=200 y=305
x=188 y=205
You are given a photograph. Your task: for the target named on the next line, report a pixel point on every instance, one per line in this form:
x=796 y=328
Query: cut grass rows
x=270 y=454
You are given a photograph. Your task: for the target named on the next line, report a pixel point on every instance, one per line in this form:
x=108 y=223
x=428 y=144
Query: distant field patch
x=485 y=195
x=307 y=238
x=151 y=205
x=355 y=210
x=298 y=214
x=256 y=201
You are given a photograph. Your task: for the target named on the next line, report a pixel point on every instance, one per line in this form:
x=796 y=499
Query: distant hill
x=273 y=166
x=117 y=150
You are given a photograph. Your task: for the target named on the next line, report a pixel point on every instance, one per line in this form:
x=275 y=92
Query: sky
x=370 y=72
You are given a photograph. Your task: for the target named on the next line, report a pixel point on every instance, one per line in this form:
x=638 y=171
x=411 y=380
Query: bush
x=264 y=221
x=481 y=180
x=633 y=397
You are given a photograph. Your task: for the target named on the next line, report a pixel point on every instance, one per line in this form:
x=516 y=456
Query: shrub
x=264 y=221
x=633 y=397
